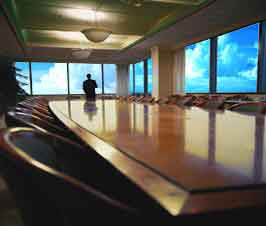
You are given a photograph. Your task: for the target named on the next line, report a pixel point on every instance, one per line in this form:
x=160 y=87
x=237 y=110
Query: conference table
x=189 y=160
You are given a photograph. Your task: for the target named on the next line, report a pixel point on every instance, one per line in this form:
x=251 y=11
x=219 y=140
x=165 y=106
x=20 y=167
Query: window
x=237 y=60
x=139 y=77
x=149 y=75
x=109 y=78
x=24 y=81
x=78 y=74
x=131 y=79
x=49 y=78
x=197 y=67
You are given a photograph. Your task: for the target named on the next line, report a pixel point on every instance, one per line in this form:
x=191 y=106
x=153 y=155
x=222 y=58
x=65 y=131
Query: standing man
x=89 y=86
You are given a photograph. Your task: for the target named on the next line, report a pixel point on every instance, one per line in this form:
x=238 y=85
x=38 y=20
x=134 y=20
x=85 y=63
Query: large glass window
x=237 y=60
x=131 y=79
x=109 y=78
x=139 y=77
x=78 y=74
x=24 y=79
x=49 y=78
x=197 y=67
x=149 y=75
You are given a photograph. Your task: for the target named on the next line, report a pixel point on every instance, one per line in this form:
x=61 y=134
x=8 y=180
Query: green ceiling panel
x=12 y=14
x=61 y=3
x=29 y=16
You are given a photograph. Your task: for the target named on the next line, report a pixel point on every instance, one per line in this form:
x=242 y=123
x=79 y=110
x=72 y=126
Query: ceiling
x=49 y=30
x=58 y=23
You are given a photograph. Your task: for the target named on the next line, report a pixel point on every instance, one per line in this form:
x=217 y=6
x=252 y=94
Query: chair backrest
x=37 y=108
x=163 y=100
x=254 y=107
x=72 y=178
x=15 y=119
x=187 y=100
x=214 y=102
x=46 y=181
x=36 y=113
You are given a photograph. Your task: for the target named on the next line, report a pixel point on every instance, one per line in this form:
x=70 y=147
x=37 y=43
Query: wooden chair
x=251 y=107
x=36 y=103
x=147 y=99
x=17 y=119
x=213 y=102
x=139 y=99
x=30 y=106
x=161 y=101
x=46 y=187
x=36 y=113
x=131 y=99
x=56 y=182
x=173 y=99
x=186 y=100
x=242 y=97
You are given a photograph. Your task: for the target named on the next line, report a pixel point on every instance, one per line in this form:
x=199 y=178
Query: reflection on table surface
x=194 y=148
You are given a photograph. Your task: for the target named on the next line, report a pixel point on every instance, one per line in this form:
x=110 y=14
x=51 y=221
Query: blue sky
x=51 y=78
x=139 y=77
x=236 y=65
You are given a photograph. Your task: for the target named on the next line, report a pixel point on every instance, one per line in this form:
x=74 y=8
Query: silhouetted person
x=89 y=87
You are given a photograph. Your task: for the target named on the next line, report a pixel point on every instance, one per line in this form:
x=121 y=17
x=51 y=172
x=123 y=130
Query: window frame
x=260 y=89
x=145 y=77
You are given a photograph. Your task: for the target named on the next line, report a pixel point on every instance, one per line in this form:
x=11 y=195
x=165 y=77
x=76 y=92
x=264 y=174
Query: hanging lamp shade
x=81 y=53
x=96 y=34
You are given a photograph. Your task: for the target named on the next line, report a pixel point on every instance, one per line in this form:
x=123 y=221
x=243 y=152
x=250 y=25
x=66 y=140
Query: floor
x=9 y=214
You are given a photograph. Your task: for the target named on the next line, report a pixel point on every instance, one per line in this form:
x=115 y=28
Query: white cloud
x=250 y=73
x=52 y=82
x=110 y=88
x=197 y=59
x=228 y=53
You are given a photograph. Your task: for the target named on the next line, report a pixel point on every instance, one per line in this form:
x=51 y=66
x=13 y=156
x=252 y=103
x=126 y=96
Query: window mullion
x=213 y=65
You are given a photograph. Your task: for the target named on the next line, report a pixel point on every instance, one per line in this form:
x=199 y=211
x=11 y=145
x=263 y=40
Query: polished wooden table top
x=192 y=149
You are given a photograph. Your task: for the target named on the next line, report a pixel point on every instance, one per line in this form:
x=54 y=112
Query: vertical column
x=179 y=71
x=145 y=77
x=30 y=79
x=122 y=72
x=162 y=71
x=134 y=91
x=102 y=78
x=213 y=65
x=68 y=84
x=259 y=144
x=212 y=138
x=261 y=81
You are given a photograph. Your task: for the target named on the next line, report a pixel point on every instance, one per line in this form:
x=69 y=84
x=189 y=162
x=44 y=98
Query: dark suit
x=89 y=89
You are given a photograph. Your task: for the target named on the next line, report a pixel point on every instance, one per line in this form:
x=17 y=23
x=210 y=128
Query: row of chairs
x=35 y=113
x=59 y=181
x=215 y=102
